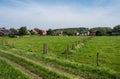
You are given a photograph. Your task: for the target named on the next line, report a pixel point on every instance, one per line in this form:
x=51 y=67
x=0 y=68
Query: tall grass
x=38 y=69
x=81 y=61
x=87 y=71
x=8 y=71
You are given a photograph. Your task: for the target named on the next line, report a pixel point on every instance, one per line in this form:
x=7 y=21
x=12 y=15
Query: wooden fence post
x=13 y=44
x=45 y=48
x=73 y=46
x=67 y=51
x=97 y=59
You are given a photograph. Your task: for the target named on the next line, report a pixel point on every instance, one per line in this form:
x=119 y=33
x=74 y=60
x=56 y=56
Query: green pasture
x=8 y=71
x=80 y=61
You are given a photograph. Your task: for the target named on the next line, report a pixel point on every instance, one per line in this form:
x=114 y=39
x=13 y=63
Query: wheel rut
x=21 y=68
x=46 y=65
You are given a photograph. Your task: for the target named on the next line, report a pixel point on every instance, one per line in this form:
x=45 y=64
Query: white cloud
x=47 y=16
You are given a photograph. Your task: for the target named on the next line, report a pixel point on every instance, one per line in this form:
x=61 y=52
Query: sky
x=46 y=14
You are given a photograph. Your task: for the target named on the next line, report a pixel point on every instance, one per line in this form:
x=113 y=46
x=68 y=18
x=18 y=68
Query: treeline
x=97 y=31
x=12 y=32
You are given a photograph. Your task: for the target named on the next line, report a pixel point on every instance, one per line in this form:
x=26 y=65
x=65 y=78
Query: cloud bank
x=53 y=15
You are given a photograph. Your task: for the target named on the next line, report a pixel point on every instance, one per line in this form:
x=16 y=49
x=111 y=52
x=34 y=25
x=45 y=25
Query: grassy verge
x=38 y=69
x=107 y=46
x=10 y=72
x=86 y=71
x=56 y=44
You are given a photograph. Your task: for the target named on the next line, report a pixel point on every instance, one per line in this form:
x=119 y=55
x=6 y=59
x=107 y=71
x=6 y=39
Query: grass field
x=80 y=62
x=8 y=71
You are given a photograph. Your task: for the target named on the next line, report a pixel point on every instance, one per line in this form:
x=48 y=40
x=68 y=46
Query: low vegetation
x=8 y=71
x=38 y=69
x=80 y=61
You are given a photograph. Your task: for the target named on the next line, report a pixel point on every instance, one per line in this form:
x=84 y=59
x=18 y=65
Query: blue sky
x=53 y=14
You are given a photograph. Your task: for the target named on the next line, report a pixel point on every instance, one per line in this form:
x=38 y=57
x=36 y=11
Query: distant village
x=82 y=31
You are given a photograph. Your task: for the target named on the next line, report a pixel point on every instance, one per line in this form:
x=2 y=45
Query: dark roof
x=5 y=32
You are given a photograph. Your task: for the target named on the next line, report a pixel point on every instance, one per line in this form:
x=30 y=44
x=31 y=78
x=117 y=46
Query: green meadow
x=8 y=71
x=67 y=57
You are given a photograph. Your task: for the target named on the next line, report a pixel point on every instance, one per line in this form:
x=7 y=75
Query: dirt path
x=51 y=67
x=21 y=68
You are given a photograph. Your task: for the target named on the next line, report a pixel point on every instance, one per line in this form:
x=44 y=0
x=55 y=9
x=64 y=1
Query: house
x=17 y=32
x=33 y=32
x=42 y=32
x=86 y=33
x=77 y=33
x=28 y=32
x=115 y=33
x=93 y=32
x=14 y=31
x=58 y=33
x=4 y=32
x=1 y=33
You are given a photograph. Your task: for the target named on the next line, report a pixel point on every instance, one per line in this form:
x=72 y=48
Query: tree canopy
x=23 y=30
x=116 y=28
x=50 y=32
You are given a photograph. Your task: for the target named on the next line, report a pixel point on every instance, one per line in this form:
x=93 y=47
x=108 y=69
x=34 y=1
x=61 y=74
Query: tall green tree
x=102 y=31
x=37 y=29
x=116 y=28
x=13 y=31
x=23 y=30
x=50 y=32
x=70 y=32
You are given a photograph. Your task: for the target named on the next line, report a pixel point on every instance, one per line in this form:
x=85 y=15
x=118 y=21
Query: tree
x=70 y=32
x=116 y=28
x=23 y=30
x=101 y=32
x=82 y=29
x=37 y=29
x=50 y=32
x=13 y=31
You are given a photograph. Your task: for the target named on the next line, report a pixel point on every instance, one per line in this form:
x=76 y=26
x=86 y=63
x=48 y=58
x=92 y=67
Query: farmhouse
x=115 y=33
x=33 y=32
x=14 y=31
x=59 y=33
x=42 y=32
x=77 y=33
x=4 y=32
x=93 y=32
x=86 y=33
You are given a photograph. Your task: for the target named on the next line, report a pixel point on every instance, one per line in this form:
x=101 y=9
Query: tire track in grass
x=52 y=74
x=46 y=65
x=55 y=68
x=21 y=68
